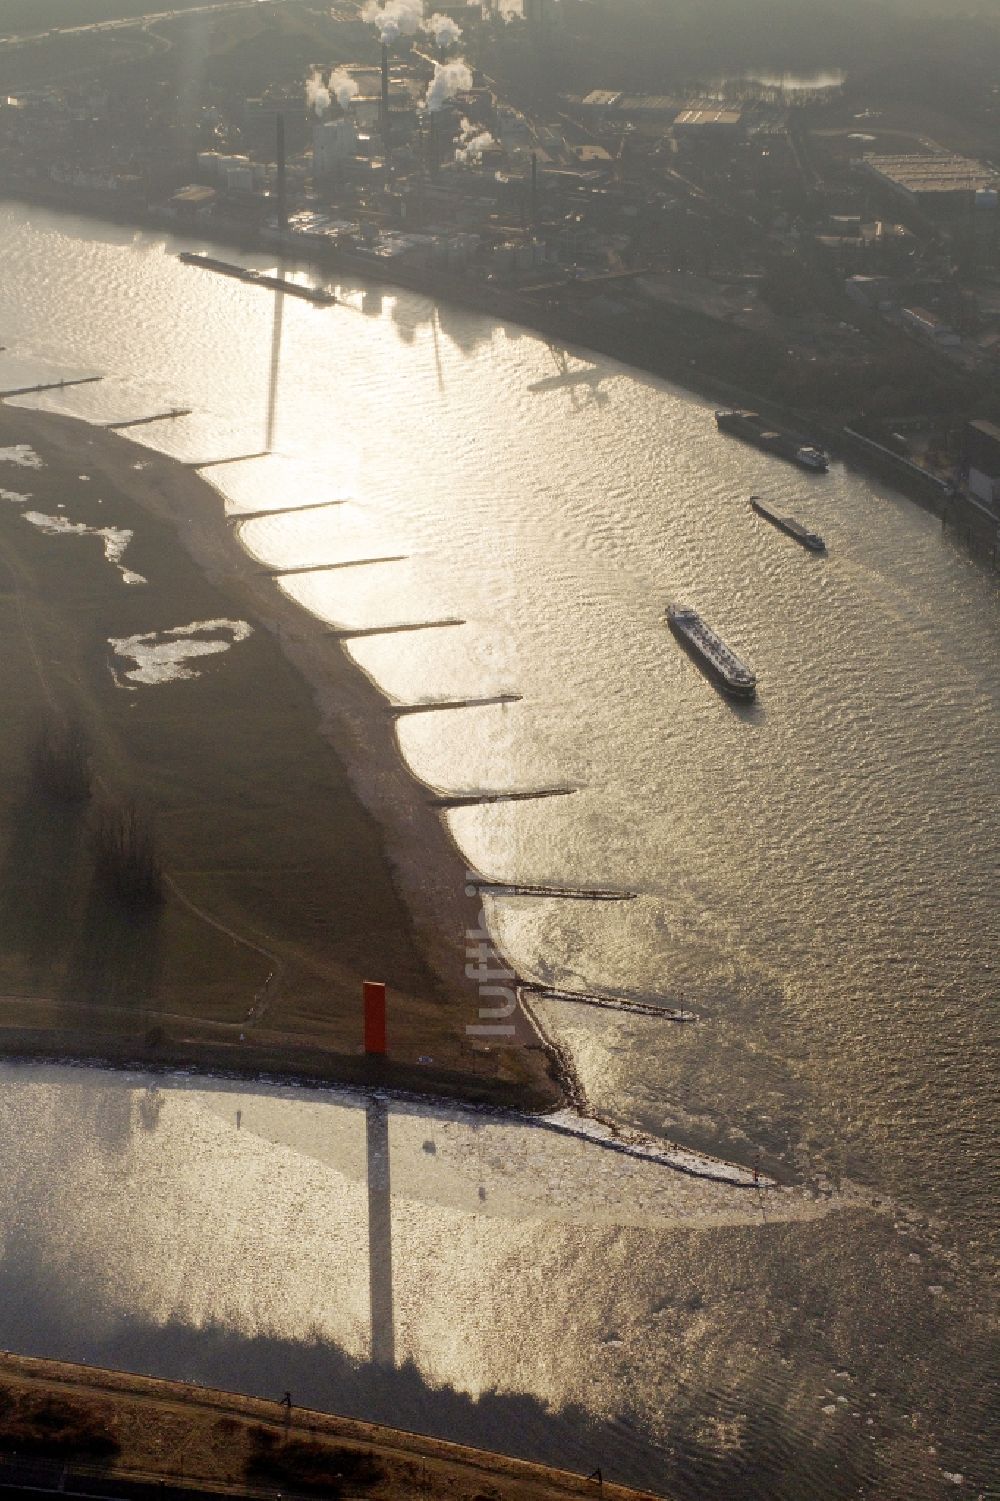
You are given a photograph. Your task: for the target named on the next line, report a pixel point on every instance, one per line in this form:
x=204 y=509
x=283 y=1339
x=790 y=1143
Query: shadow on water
x=582 y=384
x=763 y=1456
x=750 y=711
x=409 y=314
x=730 y=1431
x=466 y=332
x=38 y=880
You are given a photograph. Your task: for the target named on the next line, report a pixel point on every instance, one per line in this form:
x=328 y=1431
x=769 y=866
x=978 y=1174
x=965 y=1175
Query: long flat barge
x=319 y=295
x=711 y=652
x=753 y=428
x=788 y=524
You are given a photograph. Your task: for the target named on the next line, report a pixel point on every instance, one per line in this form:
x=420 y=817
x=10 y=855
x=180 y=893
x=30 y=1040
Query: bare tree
x=125 y=855
x=60 y=758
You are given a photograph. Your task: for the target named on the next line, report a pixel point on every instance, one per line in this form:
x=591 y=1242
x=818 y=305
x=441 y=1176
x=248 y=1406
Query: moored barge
x=319 y=295
x=788 y=524
x=753 y=428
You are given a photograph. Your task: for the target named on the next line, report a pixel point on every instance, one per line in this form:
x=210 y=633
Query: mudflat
x=299 y=855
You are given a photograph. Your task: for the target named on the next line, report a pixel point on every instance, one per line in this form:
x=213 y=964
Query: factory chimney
x=282 y=188
x=432 y=145
x=384 y=111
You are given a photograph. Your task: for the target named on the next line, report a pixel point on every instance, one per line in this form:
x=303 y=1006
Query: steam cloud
x=449 y=79
x=317 y=93
x=473 y=142
x=343 y=87
x=443 y=29
x=395 y=18
x=320 y=92
x=405 y=18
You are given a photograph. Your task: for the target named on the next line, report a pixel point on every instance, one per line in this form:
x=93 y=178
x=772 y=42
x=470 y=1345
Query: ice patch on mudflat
x=22 y=454
x=163 y=656
x=115 y=538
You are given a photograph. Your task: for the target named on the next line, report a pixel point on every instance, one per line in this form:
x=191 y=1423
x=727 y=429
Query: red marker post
x=375 y=1039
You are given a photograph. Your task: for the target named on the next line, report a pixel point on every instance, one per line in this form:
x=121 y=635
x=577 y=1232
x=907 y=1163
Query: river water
x=816 y=877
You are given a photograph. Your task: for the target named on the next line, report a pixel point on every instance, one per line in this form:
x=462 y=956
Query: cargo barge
x=788 y=524
x=711 y=652
x=753 y=428
x=319 y=295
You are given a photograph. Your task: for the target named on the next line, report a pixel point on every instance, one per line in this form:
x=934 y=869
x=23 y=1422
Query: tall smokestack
x=534 y=190
x=385 y=96
x=282 y=194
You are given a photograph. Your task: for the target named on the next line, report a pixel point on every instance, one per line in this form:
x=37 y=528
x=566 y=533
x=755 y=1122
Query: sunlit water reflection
x=817 y=876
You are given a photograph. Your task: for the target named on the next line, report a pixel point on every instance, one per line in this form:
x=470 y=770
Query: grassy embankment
x=131 y=1426
x=273 y=868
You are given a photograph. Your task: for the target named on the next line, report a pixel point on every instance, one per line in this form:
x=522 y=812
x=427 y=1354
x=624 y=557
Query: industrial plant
x=815 y=242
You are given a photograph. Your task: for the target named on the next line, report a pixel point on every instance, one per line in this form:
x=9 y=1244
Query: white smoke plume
x=449 y=79
x=317 y=93
x=443 y=29
x=473 y=142
x=342 y=87
x=395 y=18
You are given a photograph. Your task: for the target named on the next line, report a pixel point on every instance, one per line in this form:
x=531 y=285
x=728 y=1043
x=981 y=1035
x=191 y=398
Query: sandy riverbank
x=301 y=854
x=374 y=859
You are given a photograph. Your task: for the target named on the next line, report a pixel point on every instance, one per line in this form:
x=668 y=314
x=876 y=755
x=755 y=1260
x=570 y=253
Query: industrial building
x=654 y=108
x=708 y=120
x=930 y=326
x=877 y=293
x=936 y=181
x=610 y=105
x=854 y=244
x=234 y=173
x=541 y=15
x=260 y=119
x=982 y=455
x=461 y=12
x=600 y=100
x=335 y=142
x=191 y=204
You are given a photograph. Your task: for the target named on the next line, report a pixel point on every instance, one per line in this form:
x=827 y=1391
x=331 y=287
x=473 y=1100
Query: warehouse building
x=608 y=106
x=936 y=182
x=708 y=121
x=931 y=326
x=982 y=455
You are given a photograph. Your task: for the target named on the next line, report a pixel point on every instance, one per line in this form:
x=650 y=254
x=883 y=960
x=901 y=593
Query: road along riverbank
x=113 y=1427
